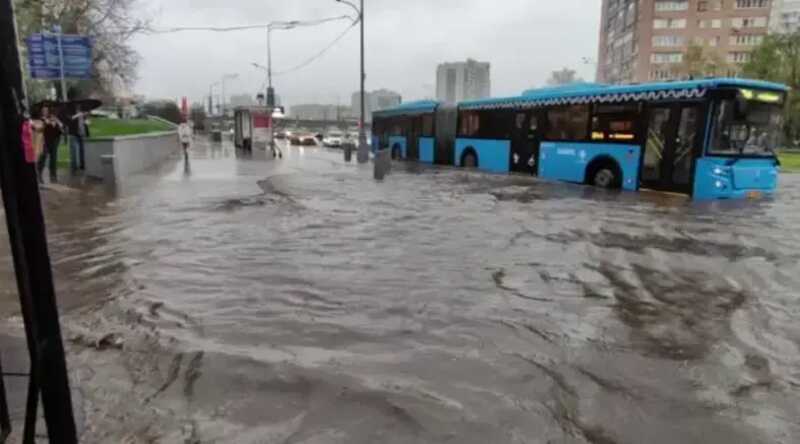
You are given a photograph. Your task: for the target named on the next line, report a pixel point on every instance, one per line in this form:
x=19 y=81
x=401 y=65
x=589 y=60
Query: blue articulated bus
x=709 y=138
x=407 y=130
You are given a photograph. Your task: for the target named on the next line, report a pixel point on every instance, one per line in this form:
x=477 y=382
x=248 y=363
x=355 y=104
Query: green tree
x=111 y=24
x=700 y=61
x=166 y=109
x=777 y=59
x=564 y=76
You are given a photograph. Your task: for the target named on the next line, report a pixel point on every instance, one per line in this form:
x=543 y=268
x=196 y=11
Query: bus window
x=755 y=131
x=427 y=125
x=470 y=124
x=615 y=123
x=568 y=123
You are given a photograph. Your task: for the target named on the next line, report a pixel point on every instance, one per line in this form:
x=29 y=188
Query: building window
x=751 y=4
x=661 y=74
x=666 y=57
x=738 y=57
x=672 y=5
x=712 y=41
x=749 y=22
x=660 y=41
x=568 y=122
x=669 y=23
x=709 y=5
x=713 y=23
x=746 y=40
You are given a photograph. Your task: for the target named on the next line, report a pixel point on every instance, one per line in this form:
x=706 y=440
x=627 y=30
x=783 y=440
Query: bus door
x=672 y=144
x=413 y=132
x=525 y=143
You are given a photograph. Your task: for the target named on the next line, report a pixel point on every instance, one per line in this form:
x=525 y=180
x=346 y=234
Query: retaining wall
x=115 y=158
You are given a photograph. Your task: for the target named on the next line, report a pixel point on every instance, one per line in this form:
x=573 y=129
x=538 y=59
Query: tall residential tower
x=648 y=40
x=463 y=81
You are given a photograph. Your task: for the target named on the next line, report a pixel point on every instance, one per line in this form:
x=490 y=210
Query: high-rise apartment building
x=785 y=16
x=468 y=80
x=648 y=40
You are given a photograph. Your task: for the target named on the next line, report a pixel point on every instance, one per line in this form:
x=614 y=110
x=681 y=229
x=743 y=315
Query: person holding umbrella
x=78 y=130
x=53 y=129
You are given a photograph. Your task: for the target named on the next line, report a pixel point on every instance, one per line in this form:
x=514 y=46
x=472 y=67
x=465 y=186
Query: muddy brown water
x=241 y=299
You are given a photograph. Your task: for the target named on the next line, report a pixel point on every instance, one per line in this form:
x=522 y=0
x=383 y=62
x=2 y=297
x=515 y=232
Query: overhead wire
x=317 y=56
x=294 y=24
x=288 y=24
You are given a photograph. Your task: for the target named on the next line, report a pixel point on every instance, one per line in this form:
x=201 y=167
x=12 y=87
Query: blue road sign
x=44 y=57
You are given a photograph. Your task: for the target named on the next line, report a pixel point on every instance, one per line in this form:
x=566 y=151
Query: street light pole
x=225 y=78
x=270 y=89
x=211 y=98
x=363 y=153
x=363 y=148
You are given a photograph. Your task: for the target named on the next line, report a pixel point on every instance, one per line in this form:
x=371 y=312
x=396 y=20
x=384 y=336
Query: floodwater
x=246 y=300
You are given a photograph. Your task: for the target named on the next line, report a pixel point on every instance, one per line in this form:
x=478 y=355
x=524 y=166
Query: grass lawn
x=790 y=162
x=111 y=128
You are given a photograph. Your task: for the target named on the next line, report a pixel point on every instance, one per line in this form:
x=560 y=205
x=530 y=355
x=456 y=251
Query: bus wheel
x=469 y=160
x=607 y=175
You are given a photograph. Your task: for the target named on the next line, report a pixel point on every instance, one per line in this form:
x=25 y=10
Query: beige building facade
x=648 y=40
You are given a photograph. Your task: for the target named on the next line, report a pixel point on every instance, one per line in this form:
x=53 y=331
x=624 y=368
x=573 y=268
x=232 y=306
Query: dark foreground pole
x=26 y=233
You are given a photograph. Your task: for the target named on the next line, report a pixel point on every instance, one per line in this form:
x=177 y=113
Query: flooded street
x=247 y=300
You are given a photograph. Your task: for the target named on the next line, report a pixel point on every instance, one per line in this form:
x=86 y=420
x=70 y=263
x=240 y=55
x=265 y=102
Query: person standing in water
x=185 y=135
x=78 y=131
x=53 y=129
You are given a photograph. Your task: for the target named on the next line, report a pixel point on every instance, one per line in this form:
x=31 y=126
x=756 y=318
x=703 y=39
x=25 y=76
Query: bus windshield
x=751 y=130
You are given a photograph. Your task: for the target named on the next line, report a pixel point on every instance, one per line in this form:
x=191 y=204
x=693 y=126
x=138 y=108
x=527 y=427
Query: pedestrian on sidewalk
x=53 y=129
x=37 y=136
x=185 y=135
x=78 y=131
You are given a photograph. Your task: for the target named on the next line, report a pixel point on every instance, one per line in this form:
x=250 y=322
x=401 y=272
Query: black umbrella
x=55 y=107
x=85 y=105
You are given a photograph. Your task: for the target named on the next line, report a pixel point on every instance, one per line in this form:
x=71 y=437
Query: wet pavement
x=238 y=299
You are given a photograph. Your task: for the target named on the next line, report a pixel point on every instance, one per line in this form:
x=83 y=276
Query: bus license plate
x=754 y=195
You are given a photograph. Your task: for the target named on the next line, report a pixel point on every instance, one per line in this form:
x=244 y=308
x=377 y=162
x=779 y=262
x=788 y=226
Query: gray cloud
x=523 y=39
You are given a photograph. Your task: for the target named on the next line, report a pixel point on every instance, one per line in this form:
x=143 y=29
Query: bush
x=166 y=109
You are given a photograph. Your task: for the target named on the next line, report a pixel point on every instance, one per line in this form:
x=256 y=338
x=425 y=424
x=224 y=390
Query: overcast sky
x=524 y=40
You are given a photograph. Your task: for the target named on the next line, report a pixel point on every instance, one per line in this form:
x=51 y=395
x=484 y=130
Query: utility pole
x=27 y=235
x=363 y=148
x=270 y=89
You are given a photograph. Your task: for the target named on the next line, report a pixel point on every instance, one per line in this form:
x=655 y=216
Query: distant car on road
x=308 y=140
x=334 y=139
